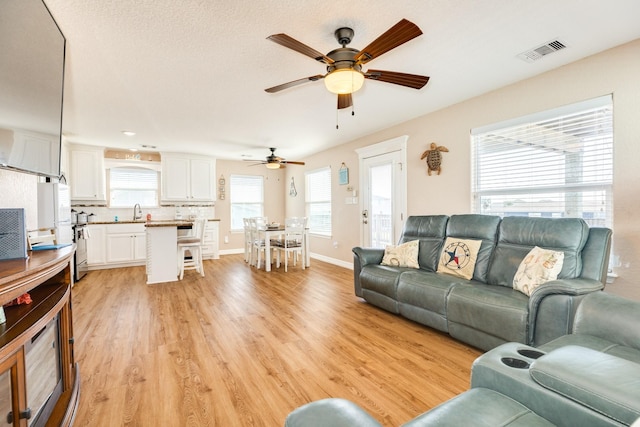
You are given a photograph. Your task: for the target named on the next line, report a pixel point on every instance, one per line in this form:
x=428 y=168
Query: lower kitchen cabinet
x=116 y=245
x=96 y=253
x=126 y=243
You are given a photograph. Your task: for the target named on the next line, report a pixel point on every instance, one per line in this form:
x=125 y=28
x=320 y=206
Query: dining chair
x=193 y=245
x=257 y=239
x=42 y=235
x=292 y=242
x=248 y=246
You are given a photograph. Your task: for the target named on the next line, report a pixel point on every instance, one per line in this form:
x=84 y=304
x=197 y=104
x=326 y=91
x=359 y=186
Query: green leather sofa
x=486 y=311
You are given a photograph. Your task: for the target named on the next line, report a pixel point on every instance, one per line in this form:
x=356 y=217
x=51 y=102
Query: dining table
x=271 y=232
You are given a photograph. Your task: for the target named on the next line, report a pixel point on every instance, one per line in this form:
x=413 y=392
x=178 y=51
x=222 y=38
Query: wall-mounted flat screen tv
x=32 y=50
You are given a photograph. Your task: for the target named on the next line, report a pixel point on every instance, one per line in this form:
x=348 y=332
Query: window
x=131 y=185
x=318 y=201
x=247 y=199
x=557 y=163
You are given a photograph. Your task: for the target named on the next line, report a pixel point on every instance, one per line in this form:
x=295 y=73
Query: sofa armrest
x=569 y=287
x=607 y=384
x=368 y=255
x=362 y=257
x=331 y=412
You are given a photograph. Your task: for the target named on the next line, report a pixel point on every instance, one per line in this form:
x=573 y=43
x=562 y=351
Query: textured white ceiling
x=190 y=75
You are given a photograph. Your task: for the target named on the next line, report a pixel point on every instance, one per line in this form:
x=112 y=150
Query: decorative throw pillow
x=539 y=266
x=404 y=255
x=459 y=257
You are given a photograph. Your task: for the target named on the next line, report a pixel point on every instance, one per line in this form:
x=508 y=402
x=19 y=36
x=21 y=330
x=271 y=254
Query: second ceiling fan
x=274 y=162
x=344 y=65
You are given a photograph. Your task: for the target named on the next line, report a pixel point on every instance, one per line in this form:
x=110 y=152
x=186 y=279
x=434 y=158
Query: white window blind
x=318 y=201
x=131 y=185
x=246 y=198
x=558 y=163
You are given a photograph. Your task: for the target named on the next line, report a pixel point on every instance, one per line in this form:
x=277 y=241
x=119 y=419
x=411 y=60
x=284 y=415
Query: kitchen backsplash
x=103 y=214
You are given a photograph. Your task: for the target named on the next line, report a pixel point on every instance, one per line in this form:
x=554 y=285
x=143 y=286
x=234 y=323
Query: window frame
x=234 y=177
x=136 y=167
x=312 y=200
x=578 y=180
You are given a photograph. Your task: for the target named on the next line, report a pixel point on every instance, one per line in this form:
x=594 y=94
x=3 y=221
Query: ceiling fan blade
x=409 y=80
x=294 y=83
x=291 y=162
x=399 y=34
x=344 y=101
x=291 y=43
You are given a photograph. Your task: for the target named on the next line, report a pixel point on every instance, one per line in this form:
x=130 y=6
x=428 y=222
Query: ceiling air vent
x=540 y=51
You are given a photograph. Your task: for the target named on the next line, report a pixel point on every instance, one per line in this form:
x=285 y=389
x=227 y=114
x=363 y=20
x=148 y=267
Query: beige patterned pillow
x=404 y=255
x=538 y=267
x=459 y=257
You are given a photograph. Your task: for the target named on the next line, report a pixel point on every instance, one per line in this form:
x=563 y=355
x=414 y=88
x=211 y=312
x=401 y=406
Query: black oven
x=80 y=235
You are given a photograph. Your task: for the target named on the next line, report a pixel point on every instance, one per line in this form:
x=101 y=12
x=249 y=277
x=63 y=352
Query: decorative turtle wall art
x=434 y=157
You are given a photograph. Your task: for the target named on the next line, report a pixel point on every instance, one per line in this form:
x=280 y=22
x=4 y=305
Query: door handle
x=365 y=215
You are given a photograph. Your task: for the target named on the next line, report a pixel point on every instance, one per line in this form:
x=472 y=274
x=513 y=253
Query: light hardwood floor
x=242 y=347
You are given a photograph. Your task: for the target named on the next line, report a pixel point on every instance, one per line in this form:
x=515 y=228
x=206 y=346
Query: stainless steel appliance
x=80 y=235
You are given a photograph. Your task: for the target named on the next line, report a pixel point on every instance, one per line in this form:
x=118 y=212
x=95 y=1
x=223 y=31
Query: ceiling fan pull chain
x=337 y=119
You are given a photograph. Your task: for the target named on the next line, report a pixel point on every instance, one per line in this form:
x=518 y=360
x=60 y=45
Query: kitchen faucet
x=137 y=214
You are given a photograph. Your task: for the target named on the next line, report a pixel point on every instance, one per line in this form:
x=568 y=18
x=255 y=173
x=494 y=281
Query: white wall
x=614 y=71
x=20 y=190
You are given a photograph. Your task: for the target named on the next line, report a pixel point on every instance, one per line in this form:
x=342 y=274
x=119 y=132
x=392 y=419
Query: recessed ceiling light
x=128 y=132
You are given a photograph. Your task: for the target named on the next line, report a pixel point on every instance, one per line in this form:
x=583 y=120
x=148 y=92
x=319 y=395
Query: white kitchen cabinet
x=87 y=174
x=188 y=179
x=96 y=254
x=211 y=246
x=125 y=243
x=112 y=245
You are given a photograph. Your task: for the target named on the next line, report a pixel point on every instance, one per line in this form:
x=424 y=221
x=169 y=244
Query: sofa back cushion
x=430 y=231
x=610 y=317
x=518 y=235
x=476 y=227
x=595 y=255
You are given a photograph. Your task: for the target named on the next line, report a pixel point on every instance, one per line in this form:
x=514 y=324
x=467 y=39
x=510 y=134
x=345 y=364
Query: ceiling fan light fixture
x=273 y=165
x=344 y=81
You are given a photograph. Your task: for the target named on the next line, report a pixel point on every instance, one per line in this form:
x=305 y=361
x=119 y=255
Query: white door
x=383 y=189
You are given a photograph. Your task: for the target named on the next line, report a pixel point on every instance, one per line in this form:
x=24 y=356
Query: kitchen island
x=162 y=250
x=162 y=247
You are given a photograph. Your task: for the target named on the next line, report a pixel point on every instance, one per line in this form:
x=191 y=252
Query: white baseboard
x=231 y=251
x=333 y=261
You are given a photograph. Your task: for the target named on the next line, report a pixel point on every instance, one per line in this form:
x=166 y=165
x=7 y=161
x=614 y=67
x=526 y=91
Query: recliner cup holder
x=515 y=363
x=530 y=353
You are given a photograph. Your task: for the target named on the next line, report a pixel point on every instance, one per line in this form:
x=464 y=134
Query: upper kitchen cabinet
x=87 y=174
x=188 y=179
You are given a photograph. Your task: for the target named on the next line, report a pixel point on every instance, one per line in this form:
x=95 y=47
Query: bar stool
x=193 y=245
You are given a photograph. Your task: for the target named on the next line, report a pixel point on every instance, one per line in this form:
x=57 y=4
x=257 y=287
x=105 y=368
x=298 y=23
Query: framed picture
x=343 y=175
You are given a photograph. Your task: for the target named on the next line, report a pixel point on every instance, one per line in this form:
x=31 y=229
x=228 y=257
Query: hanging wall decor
x=434 y=157
x=343 y=174
x=292 y=189
x=221 y=188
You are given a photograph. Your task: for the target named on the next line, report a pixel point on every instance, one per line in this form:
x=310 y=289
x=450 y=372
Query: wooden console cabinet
x=36 y=342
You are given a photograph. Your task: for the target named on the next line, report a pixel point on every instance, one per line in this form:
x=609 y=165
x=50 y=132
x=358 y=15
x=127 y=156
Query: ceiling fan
x=274 y=162
x=344 y=65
